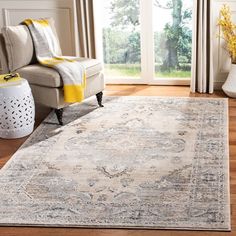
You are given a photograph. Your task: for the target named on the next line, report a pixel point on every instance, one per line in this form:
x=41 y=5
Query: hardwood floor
x=8 y=147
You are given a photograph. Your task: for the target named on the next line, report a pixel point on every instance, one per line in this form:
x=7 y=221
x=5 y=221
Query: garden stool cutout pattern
x=17 y=110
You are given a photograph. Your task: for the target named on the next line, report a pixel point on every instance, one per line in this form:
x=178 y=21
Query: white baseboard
x=218 y=85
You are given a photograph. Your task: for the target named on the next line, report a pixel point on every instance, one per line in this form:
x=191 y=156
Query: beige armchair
x=17 y=55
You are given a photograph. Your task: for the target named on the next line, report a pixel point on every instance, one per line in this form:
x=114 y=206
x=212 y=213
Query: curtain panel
x=202 y=61
x=86 y=28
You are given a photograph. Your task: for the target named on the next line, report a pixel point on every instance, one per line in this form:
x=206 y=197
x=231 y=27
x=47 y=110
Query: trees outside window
x=172 y=38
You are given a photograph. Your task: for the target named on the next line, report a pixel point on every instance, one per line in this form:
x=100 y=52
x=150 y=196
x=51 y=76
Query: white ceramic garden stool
x=17 y=110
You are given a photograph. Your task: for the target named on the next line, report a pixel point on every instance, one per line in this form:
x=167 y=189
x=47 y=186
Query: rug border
x=228 y=162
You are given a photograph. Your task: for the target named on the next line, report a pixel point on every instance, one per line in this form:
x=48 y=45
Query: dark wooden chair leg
x=59 y=114
x=99 y=98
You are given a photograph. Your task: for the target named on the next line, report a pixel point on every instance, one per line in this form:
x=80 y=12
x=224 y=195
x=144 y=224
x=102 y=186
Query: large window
x=145 y=41
x=173 y=38
x=121 y=38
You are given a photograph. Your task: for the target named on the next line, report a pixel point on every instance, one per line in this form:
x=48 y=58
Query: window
x=173 y=38
x=145 y=41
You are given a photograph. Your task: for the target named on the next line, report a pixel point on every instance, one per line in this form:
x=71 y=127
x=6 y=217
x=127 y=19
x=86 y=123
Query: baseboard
x=218 y=85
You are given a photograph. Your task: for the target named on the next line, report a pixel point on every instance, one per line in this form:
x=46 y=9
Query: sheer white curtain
x=202 y=69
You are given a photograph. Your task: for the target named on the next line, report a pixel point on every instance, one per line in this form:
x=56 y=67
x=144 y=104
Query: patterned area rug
x=139 y=162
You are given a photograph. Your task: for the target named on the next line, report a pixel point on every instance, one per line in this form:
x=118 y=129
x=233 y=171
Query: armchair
x=17 y=55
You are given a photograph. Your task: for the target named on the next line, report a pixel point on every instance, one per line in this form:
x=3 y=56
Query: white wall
x=221 y=58
x=12 y=12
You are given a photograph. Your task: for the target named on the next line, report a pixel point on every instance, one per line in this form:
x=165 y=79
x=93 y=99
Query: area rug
x=139 y=162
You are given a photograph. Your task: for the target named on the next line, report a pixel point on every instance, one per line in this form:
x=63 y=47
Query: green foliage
x=114 y=44
x=121 y=42
x=125 y=13
x=121 y=47
x=160 y=47
x=133 y=53
x=134 y=70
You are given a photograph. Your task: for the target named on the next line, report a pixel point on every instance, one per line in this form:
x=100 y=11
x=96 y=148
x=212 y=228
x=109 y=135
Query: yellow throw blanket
x=72 y=72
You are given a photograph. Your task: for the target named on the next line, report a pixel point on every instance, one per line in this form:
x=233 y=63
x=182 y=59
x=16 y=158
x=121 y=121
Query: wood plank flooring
x=8 y=147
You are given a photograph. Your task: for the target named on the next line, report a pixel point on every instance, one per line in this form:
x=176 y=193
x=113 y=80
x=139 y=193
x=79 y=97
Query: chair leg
x=59 y=114
x=99 y=98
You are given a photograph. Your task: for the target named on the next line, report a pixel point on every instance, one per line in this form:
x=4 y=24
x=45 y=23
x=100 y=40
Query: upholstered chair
x=17 y=55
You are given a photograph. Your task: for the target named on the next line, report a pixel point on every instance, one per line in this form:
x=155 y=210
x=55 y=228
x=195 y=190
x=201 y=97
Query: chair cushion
x=40 y=75
x=92 y=66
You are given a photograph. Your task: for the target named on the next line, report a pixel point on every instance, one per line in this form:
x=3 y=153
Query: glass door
x=120 y=39
x=144 y=41
x=172 y=41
